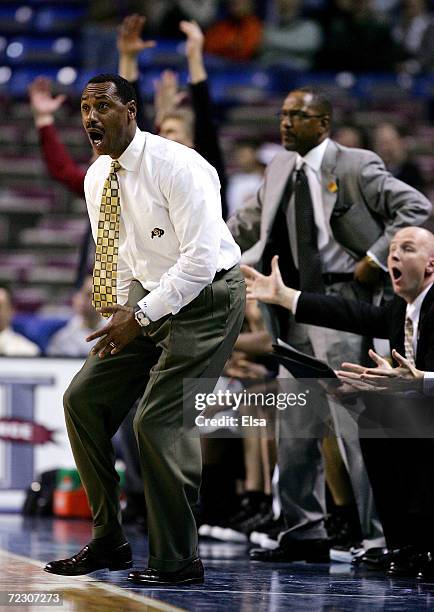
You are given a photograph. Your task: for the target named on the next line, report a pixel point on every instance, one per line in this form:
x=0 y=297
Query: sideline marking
x=70 y=582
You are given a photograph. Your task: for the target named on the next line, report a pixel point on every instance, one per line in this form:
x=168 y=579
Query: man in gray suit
x=329 y=212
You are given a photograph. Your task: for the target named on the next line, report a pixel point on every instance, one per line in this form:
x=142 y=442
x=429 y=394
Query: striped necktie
x=408 y=341
x=107 y=243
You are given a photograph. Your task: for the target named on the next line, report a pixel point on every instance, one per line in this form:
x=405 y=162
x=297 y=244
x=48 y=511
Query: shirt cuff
x=153 y=306
x=375 y=258
x=295 y=302
x=428 y=383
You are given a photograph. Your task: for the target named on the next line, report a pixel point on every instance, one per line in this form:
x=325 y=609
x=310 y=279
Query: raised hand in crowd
x=194 y=50
x=44 y=105
x=130 y=44
x=167 y=95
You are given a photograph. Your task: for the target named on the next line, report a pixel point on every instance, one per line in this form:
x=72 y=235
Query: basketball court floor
x=233 y=583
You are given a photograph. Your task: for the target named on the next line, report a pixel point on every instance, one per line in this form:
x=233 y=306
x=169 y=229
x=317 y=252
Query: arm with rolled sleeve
x=397 y=203
x=193 y=196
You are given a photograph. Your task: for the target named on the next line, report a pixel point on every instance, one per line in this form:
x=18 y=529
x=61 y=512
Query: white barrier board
x=33 y=436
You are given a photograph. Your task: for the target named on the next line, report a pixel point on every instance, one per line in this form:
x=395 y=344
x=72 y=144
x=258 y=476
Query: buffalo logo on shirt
x=157 y=232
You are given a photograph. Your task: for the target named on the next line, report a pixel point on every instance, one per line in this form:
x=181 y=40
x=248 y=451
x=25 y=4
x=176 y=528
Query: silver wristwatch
x=141 y=317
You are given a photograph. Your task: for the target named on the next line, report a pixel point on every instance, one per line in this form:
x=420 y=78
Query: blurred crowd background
x=374 y=58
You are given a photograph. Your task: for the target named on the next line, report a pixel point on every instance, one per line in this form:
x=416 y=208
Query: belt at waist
x=219 y=275
x=330 y=278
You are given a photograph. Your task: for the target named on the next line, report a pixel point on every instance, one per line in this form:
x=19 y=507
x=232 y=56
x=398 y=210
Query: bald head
x=411 y=262
x=419 y=235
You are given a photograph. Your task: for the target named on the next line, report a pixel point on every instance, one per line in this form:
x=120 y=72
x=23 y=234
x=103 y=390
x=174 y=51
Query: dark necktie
x=309 y=263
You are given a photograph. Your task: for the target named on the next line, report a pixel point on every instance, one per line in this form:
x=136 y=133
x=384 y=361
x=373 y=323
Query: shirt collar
x=130 y=158
x=314 y=157
x=413 y=309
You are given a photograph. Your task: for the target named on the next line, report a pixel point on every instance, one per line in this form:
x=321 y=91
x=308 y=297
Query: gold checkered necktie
x=107 y=242
x=408 y=341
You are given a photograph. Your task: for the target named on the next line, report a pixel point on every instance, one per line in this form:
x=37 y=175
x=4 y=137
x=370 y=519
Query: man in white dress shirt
x=166 y=269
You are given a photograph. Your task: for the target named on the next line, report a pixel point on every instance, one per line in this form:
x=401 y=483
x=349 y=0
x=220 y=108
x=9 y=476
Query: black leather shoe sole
x=192 y=574
x=82 y=572
x=161 y=582
x=288 y=554
x=86 y=562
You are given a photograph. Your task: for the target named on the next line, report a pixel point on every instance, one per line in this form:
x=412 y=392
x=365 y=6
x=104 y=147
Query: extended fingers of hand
x=250 y=273
x=353 y=367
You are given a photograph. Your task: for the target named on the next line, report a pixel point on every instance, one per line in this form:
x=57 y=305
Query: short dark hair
x=319 y=100
x=124 y=89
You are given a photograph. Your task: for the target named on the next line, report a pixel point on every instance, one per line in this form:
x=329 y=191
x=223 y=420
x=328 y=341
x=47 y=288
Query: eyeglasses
x=295 y=115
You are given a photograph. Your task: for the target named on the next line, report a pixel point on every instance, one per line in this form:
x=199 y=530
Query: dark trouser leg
x=96 y=402
x=130 y=455
x=195 y=344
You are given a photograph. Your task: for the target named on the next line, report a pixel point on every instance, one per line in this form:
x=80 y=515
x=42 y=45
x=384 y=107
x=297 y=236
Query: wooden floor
x=233 y=583
x=21 y=575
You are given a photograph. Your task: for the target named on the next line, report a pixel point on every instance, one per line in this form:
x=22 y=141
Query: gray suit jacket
x=368 y=206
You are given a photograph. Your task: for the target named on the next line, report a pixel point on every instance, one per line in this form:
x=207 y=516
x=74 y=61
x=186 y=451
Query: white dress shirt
x=413 y=313
x=172 y=237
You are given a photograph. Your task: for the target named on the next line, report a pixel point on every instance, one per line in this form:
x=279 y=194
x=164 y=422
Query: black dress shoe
x=87 y=561
x=404 y=563
x=193 y=573
x=313 y=551
x=375 y=559
x=425 y=571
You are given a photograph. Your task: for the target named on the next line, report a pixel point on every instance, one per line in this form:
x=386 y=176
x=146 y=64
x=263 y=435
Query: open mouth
x=396 y=273
x=96 y=136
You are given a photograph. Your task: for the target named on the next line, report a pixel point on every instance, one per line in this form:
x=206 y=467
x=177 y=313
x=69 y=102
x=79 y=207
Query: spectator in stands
x=238 y=35
x=350 y=135
x=414 y=31
x=59 y=163
x=392 y=148
x=290 y=40
x=178 y=123
x=245 y=181
x=70 y=340
x=11 y=343
x=356 y=40
x=199 y=129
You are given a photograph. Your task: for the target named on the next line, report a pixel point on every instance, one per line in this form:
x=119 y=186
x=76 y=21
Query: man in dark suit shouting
x=329 y=212
x=401 y=467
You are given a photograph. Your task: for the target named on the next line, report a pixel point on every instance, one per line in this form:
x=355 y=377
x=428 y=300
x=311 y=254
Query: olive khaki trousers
x=193 y=344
